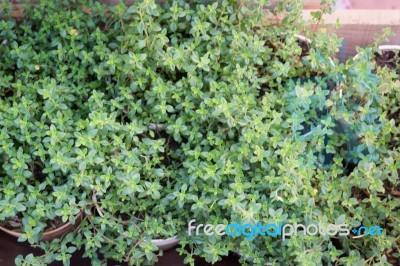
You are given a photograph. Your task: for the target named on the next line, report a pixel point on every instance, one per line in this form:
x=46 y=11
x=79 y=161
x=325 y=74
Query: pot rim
x=46 y=234
x=389 y=47
x=303 y=38
x=160 y=240
x=165 y=244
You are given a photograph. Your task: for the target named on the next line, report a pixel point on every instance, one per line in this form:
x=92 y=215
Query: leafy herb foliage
x=145 y=117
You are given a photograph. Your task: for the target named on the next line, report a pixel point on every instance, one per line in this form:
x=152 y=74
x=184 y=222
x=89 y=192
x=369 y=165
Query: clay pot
x=51 y=234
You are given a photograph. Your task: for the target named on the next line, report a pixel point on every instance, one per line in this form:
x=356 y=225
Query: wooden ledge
x=360 y=27
x=384 y=17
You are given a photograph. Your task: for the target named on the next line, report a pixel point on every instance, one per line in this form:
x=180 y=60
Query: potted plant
x=387 y=61
x=388 y=56
x=36 y=200
x=90 y=131
x=38 y=114
x=160 y=243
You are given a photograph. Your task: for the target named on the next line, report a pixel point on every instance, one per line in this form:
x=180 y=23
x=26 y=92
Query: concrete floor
x=10 y=248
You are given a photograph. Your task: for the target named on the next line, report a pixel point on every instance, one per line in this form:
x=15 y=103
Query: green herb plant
x=144 y=117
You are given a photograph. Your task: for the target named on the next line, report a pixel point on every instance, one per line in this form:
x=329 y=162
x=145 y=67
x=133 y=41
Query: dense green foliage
x=145 y=117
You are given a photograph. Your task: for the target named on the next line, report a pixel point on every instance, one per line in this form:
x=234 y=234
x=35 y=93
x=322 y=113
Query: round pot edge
x=51 y=234
x=303 y=38
x=389 y=47
x=165 y=244
x=385 y=47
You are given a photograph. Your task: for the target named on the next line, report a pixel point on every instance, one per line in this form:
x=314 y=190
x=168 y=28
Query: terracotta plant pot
x=51 y=234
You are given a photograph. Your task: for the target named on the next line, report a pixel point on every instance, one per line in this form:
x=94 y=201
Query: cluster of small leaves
x=145 y=117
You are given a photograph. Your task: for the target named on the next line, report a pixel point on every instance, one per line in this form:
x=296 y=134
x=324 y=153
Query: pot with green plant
x=79 y=129
x=387 y=60
x=37 y=201
x=388 y=56
x=160 y=243
x=58 y=230
x=383 y=63
x=369 y=99
x=40 y=93
x=34 y=206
